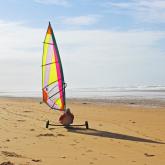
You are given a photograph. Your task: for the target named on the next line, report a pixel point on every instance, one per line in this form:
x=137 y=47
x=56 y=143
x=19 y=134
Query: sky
x=101 y=43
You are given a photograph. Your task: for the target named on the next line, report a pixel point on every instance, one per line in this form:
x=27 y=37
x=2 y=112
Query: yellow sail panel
x=58 y=102
x=44 y=58
x=53 y=73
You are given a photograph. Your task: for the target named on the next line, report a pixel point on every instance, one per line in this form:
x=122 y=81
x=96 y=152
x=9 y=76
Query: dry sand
x=119 y=133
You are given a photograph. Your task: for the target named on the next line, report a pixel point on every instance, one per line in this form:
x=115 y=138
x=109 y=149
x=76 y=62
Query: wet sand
x=127 y=133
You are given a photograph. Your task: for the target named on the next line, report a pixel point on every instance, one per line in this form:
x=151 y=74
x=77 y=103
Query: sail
x=53 y=85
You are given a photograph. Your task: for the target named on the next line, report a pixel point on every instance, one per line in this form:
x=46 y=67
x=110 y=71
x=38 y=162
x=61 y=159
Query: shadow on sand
x=106 y=134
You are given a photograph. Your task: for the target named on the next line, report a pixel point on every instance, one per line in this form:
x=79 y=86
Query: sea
x=108 y=93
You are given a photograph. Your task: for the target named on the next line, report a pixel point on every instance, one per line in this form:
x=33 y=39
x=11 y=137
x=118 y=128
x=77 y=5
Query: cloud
x=80 y=20
x=18 y=41
x=89 y=57
x=105 y=58
x=20 y=49
x=122 y=5
x=54 y=2
x=143 y=10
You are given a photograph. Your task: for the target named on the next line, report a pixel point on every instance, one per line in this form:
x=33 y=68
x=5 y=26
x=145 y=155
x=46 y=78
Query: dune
x=118 y=133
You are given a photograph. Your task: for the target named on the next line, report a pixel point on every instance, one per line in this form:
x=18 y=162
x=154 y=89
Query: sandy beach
x=119 y=133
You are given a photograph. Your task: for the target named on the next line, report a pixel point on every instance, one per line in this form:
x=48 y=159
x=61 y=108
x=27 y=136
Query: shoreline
x=121 y=101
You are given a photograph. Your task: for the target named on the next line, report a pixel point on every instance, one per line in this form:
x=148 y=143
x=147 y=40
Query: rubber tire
x=86 y=125
x=47 y=124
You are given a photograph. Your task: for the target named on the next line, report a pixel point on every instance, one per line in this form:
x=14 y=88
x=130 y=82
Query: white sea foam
x=147 y=92
x=129 y=92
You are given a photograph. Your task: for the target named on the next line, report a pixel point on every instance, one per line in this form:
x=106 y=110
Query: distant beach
x=134 y=95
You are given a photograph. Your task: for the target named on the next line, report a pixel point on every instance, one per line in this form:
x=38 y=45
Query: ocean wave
x=155 y=91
